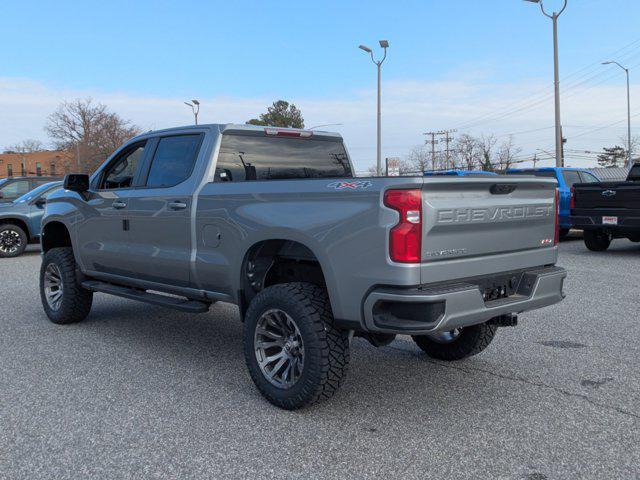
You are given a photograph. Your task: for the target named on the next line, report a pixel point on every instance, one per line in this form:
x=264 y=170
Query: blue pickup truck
x=457 y=173
x=566 y=178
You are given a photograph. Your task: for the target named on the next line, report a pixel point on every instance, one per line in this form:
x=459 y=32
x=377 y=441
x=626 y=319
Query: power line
x=531 y=101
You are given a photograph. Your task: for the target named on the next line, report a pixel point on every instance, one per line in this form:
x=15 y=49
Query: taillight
x=572 y=201
x=556 y=240
x=405 y=238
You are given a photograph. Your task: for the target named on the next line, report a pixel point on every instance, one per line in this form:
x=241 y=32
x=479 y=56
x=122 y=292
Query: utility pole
x=556 y=78
x=433 y=143
x=384 y=44
x=448 y=139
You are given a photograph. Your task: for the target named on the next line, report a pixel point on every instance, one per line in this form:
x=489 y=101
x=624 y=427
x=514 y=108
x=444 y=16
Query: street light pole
x=556 y=78
x=626 y=71
x=195 y=108
x=384 y=44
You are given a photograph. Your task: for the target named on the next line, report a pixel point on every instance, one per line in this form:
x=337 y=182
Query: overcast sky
x=478 y=66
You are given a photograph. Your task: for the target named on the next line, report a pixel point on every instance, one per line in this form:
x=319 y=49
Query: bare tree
x=635 y=143
x=372 y=171
x=90 y=128
x=467 y=152
x=418 y=160
x=507 y=153
x=26 y=146
x=486 y=144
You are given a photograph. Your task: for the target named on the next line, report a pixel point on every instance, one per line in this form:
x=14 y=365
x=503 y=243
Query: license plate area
x=499 y=287
x=610 y=220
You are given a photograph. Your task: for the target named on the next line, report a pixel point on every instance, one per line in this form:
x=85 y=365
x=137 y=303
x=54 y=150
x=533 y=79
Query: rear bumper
x=594 y=222
x=445 y=307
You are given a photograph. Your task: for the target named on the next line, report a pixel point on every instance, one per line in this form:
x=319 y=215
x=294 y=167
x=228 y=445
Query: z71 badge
x=356 y=185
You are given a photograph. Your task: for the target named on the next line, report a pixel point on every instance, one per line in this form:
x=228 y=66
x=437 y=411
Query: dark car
x=14 y=187
x=608 y=210
x=20 y=220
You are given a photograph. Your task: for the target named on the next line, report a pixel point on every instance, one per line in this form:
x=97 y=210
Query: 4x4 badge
x=357 y=185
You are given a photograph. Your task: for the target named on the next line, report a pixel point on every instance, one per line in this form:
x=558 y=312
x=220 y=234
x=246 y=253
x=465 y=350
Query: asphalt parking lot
x=138 y=391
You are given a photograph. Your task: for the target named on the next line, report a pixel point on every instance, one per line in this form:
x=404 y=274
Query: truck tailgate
x=484 y=218
x=607 y=195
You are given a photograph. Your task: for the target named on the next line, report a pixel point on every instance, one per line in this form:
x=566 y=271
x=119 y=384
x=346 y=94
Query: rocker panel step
x=183 y=304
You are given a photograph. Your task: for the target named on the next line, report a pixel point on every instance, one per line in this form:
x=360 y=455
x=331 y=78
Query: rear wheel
x=63 y=298
x=458 y=343
x=295 y=354
x=13 y=240
x=597 y=240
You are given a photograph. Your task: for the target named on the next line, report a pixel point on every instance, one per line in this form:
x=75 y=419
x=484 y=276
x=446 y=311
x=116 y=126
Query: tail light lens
x=572 y=201
x=556 y=240
x=405 y=238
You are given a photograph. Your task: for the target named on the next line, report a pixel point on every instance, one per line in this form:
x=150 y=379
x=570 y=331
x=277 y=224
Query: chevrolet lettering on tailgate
x=494 y=214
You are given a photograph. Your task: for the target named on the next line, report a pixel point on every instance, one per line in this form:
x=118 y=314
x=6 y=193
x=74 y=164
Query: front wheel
x=295 y=354
x=13 y=240
x=596 y=240
x=458 y=343
x=63 y=298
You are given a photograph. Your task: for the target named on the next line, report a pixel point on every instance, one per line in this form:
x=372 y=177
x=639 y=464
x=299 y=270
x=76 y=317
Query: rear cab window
x=258 y=157
x=588 y=177
x=571 y=177
x=634 y=174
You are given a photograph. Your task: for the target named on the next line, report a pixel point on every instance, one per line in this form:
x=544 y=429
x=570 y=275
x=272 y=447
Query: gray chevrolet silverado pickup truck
x=274 y=220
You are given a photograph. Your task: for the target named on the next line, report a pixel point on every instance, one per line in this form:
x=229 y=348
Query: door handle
x=118 y=204
x=177 y=205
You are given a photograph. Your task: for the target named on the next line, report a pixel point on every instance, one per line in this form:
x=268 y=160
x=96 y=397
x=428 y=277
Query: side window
x=15 y=189
x=588 y=178
x=173 y=160
x=571 y=177
x=634 y=174
x=120 y=173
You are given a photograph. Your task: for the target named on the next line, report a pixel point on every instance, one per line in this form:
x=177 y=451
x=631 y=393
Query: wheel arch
x=54 y=234
x=18 y=222
x=274 y=261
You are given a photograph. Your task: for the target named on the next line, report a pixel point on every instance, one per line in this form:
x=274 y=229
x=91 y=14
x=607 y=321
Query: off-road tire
x=471 y=341
x=23 y=239
x=326 y=348
x=596 y=241
x=76 y=301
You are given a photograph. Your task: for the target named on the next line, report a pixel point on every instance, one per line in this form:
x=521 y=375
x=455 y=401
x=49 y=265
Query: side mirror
x=40 y=203
x=76 y=182
x=1 y=195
